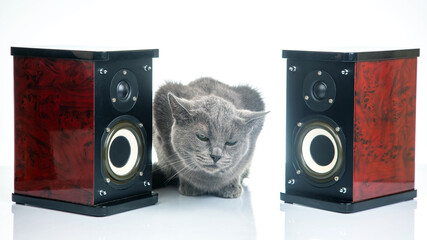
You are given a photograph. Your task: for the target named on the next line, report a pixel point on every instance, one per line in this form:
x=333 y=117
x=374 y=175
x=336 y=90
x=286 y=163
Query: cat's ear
x=180 y=108
x=250 y=118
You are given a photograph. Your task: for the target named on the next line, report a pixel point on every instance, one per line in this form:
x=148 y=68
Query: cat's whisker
x=178 y=172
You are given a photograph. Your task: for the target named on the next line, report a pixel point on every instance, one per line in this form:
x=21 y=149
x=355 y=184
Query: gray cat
x=204 y=135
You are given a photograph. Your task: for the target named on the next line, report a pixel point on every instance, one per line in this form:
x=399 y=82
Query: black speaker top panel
x=79 y=54
x=351 y=56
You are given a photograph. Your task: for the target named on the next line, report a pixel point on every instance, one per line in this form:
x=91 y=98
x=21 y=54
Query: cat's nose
x=215 y=158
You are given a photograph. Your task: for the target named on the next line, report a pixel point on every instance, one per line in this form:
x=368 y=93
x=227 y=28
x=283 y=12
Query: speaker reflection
x=390 y=222
x=174 y=216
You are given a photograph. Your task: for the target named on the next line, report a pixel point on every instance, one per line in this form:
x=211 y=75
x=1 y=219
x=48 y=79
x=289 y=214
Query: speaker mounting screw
x=298 y=172
x=103 y=71
x=134 y=98
x=114 y=100
x=141 y=173
x=125 y=72
x=337 y=129
x=306 y=97
x=108 y=180
x=140 y=125
x=147 y=68
x=293 y=69
x=343 y=190
x=291 y=181
x=102 y=193
x=331 y=100
x=107 y=130
x=147 y=183
x=336 y=178
x=319 y=73
x=299 y=124
x=344 y=72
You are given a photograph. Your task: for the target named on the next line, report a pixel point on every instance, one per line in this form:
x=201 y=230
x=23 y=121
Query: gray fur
x=184 y=114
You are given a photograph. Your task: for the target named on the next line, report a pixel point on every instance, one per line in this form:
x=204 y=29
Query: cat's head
x=209 y=134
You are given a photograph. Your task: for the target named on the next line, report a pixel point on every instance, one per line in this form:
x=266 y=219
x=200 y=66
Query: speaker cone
x=319 y=150
x=123 y=90
x=122 y=150
x=320 y=90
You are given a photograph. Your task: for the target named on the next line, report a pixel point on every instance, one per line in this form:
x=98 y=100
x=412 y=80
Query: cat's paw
x=231 y=191
x=188 y=190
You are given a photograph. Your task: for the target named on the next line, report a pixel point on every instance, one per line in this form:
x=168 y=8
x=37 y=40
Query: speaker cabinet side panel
x=384 y=135
x=54 y=128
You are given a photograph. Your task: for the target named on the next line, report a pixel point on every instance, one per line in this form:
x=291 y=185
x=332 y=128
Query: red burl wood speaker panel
x=54 y=128
x=384 y=128
x=83 y=129
x=350 y=128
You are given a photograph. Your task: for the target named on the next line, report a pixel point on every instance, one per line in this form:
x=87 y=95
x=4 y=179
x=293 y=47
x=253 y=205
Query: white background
x=236 y=42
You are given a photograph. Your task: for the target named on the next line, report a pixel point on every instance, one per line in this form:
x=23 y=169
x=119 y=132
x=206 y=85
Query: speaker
x=83 y=129
x=350 y=128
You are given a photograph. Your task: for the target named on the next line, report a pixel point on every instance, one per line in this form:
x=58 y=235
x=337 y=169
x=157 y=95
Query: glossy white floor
x=258 y=214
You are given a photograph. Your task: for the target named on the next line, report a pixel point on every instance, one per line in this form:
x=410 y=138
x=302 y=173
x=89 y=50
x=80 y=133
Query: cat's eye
x=202 y=137
x=230 y=143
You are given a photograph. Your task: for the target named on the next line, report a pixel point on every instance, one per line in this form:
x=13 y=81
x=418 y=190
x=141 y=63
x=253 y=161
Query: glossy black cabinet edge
x=82 y=55
x=101 y=210
x=349 y=207
x=350 y=56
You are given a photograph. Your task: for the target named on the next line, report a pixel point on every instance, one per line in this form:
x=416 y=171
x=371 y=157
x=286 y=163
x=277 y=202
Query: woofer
x=122 y=150
x=320 y=150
